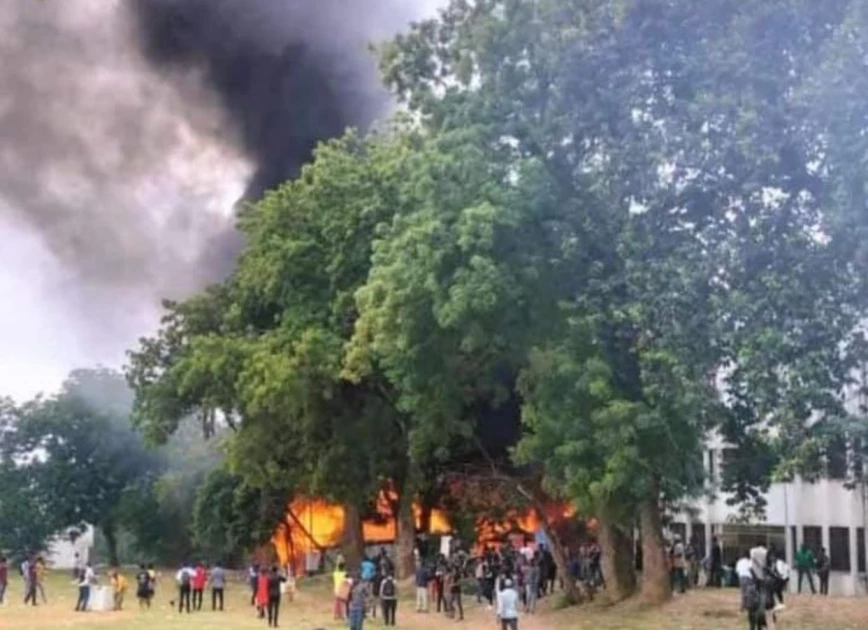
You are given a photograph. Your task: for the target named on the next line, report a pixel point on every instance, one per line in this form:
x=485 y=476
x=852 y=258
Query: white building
x=824 y=514
x=68 y=547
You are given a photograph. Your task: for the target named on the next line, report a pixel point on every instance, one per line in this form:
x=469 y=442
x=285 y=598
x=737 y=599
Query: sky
x=115 y=180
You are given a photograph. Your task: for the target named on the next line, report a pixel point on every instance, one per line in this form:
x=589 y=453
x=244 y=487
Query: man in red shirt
x=200 y=579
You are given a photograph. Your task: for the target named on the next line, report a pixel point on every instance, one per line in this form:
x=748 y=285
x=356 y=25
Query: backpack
x=185 y=578
x=387 y=590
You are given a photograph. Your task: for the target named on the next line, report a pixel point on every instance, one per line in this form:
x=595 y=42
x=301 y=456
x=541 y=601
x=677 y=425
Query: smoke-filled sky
x=129 y=129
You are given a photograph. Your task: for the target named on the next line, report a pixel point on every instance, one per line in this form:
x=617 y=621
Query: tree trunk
x=405 y=543
x=618 y=570
x=571 y=589
x=353 y=543
x=111 y=542
x=656 y=584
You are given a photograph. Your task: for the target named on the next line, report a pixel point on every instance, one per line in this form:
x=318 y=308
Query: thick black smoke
x=129 y=130
x=290 y=73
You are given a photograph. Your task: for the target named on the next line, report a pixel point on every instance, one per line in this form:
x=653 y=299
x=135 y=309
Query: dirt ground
x=311 y=610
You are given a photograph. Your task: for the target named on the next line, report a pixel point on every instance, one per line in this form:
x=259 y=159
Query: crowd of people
x=507 y=579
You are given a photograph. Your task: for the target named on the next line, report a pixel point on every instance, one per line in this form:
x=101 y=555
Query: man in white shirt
x=86 y=578
x=507 y=607
x=184 y=577
x=745 y=577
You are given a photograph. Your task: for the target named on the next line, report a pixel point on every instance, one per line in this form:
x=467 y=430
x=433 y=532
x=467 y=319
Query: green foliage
x=656 y=168
x=78 y=452
x=263 y=353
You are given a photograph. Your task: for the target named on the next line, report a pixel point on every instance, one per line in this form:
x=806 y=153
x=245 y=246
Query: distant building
x=62 y=550
x=826 y=513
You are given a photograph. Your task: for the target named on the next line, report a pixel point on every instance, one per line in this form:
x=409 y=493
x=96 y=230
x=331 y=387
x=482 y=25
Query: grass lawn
x=702 y=610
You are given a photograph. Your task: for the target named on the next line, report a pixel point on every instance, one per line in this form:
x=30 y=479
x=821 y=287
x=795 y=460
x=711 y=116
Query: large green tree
x=79 y=454
x=655 y=245
x=263 y=352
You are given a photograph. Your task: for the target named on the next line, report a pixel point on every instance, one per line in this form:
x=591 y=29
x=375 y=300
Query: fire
x=313 y=524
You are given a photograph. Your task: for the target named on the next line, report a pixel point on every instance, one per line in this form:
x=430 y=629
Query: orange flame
x=320 y=525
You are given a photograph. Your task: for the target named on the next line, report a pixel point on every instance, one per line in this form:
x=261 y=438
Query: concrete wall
x=824 y=504
x=61 y=551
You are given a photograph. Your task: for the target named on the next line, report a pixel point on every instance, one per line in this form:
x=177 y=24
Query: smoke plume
x=131 y=127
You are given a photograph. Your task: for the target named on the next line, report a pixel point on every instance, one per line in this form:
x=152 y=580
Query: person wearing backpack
x=389 y=599
x=185 y=586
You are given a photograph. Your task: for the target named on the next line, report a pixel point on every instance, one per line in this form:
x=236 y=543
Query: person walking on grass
x=421 y=579
x=39 y=571
x=507 y=606
x=217 y=578
x=152 y=573
x=824 y=565
x=28 y=574
x=358 y=603
x=184 y=578
x=85 y=579
x=341 y=591
x=275 y=580
x=200 y=579
x=119 y=589
x=389 y=599
x=805 y=565
x=4 y=579
x=532 y=585
x=143 y=587
x=262 y=592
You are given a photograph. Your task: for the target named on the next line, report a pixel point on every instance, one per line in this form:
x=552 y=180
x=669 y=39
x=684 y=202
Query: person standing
x=679 y=576
x=507 y=606
x=421 y=579
x=28 y=575
x=200 y=579
x=389 y=599
x=342 y=592
x=152 y=573
x=455 y=605
x=275 y=580
x=143 y=587
x=824 y=565
x=86 y=578
x=119 y=589
x=4 y=579
x=185 y=580
x=217 y=578
x=39 y=571
x=253 y=581
x=262 y=592
x=715 y=564
x=805 y=564
x=781 y=576
x=532 y=584
x=358 y=604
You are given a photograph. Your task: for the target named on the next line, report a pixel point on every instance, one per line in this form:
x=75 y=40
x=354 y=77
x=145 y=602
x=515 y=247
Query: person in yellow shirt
x=119 y=587
x=339 y=578
x=40 y=578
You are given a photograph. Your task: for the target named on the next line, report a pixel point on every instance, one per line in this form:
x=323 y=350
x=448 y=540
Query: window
x=680 y=530
x=813 y=538
x=794 y=539
x=839 y=548
x=860 y=551
x=836 y=458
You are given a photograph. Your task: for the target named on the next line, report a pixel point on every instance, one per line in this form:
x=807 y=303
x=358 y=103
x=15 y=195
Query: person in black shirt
x=275 y=580
x=716 y=564
x=143 y=587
